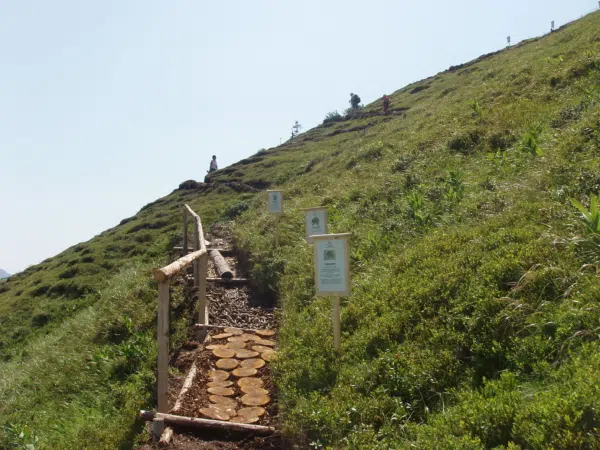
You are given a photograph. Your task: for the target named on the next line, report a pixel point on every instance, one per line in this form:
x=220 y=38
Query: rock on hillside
x=4 y=274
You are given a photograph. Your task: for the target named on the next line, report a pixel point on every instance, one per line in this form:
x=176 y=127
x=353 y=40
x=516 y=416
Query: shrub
x=333 y=116
x=401 y=164
x=466 y=142
x=530 y=142
x=589 y=243
x=233 y=211
x=69 y=273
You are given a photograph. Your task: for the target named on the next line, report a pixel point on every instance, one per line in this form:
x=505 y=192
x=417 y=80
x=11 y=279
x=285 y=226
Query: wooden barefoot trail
x=219 y=391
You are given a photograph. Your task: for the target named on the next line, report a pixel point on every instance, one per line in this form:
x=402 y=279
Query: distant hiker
x=386 y=103
x=213 y=164
x=354 y=100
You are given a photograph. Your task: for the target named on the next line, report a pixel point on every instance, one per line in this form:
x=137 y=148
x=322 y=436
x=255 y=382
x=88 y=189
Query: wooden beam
x=221 y=267
x=194 y=422
x=222 y=327
x=162 y=336
x=187 y=384
x=164 y=273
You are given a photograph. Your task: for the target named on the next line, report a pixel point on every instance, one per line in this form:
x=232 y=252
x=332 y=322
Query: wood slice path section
x=243 y=322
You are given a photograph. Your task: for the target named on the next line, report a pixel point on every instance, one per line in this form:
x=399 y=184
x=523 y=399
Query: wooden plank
x=221 y=267
x=162 y=335
x=194 y=422
x=164 y=273
x=222 y=327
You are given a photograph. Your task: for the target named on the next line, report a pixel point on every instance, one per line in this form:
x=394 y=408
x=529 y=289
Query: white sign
x=274 y=202
x=332 y=272
x=315 y=221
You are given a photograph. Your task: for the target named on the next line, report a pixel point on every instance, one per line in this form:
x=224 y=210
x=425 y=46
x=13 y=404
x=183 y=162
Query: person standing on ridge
x=213 y=164
x=386 y=103
x=354 y=100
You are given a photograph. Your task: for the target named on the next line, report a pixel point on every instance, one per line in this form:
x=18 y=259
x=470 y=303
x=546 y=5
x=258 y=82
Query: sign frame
x=306 y=226
x=277 y=213
x=317 y=238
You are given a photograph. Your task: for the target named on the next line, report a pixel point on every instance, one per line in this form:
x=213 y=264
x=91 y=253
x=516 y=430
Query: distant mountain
x=4 y=274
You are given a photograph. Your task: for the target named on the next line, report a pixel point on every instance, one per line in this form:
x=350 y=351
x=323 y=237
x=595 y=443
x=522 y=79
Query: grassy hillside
x=474 y=316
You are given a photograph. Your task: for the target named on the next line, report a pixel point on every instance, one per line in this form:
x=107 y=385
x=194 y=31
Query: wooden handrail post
x=196 y=248
x=162 y=335
x=202 y=303
x=185 y=232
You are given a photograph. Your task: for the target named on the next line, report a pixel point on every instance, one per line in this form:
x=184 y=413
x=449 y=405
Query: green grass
x=473 y=321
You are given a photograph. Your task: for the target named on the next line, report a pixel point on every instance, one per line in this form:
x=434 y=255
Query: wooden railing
x=199 y=259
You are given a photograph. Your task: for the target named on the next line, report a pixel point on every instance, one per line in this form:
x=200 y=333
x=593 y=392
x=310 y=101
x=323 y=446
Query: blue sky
x=106 y=106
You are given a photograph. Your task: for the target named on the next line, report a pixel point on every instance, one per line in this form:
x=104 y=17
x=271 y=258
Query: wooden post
x=162 y=334
x=202 y=304
x=185 y=232
x=336 y=323
x=196 y=248
x=158 y=426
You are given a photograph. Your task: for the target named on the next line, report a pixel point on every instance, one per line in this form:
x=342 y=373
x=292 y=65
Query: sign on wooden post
x=315 y=221
x=275 y=206
x=332 y=273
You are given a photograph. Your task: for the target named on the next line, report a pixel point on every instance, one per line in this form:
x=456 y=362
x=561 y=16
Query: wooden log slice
x=265 y=333
x=250 y=337
x=227 y=363
x=261 y=348
x=224 y=391
x=244 y=419
x=215 y=413
x=217 y=375
x=224 y=402
x=269 y=356
x=223 y=352
x=253 y=363
x=236 y=345
x=245 y=354
x=255 y=399
x=244 y=372
x=253 y=390
x=236 y=339
x=233 y=331
x=214 y=346
x=228 y=409
x=266 y=342
x=249 y=381
x=251 y=411
x=222 y=384
x=222 y=336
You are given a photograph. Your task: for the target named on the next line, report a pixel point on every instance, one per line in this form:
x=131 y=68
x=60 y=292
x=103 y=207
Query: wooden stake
x=162 y=334
x=336 y=323
x=202 y=303
x=185 y=231
x=158 y=426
